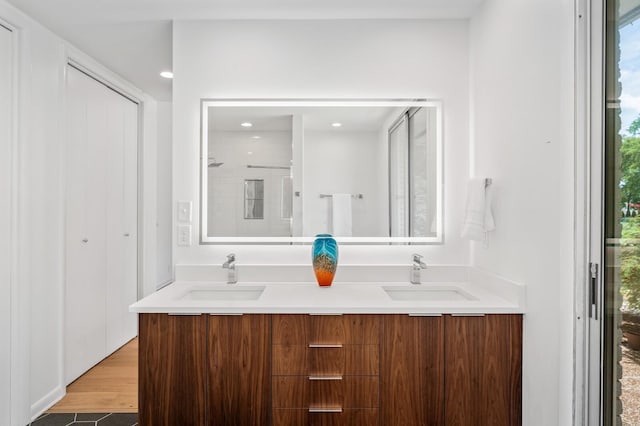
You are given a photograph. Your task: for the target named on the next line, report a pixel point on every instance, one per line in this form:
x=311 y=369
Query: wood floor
x=109 y=387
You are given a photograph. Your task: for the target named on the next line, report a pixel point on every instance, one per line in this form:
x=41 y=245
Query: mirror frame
x=205 y=103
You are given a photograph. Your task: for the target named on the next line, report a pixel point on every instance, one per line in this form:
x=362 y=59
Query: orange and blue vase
x=325 y=259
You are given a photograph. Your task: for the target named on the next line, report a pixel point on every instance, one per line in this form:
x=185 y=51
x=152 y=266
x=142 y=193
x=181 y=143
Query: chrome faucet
x=230 y=264
x=417 y=266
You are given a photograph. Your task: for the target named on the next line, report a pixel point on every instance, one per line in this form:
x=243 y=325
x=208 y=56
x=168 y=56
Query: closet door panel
x=130 y=220
x=121 y=235
x=85 y=246
x=115 y=181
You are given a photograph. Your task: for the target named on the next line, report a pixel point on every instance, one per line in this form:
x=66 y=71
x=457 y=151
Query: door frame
x=588 y=211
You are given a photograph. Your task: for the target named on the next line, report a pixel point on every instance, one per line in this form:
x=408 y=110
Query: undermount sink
x=229 y=293
x=423 y=293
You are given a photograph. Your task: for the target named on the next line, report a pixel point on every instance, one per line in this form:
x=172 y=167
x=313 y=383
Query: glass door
x=398 y=178
x=620 y=342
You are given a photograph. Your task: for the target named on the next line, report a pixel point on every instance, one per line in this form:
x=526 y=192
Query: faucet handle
x=231 y=257
x=417 y=261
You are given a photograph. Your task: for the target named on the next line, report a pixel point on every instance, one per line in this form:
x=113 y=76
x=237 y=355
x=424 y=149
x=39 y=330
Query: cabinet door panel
x=238 y=370
x=412 y=370
x=172 y=376
x=515 y=376
x=483 y=370
x=464 y=348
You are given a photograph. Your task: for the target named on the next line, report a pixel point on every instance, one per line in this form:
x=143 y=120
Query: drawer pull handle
x=337 y=377
x=325 y=345
x=325 y=410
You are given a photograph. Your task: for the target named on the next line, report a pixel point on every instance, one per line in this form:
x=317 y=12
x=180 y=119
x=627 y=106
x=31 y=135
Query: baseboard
x=47 y=401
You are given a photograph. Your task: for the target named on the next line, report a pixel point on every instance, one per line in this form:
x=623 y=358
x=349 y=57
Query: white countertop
x=480 y=297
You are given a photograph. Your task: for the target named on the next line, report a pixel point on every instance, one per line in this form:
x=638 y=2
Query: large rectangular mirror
x=282 y=171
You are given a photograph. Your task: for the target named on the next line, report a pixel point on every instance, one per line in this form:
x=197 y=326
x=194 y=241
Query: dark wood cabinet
x=453 y=370
x=412 y=370
x=172 y=370
x=238 y=367
x=325 y=369
x=483 y=370
x=204 y=370
x=360 y=370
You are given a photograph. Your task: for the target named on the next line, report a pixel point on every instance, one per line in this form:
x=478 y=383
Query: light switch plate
x=184 y=211
x=184 y=235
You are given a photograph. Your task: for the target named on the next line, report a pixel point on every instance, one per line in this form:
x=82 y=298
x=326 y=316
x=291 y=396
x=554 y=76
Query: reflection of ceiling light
x=336 y=124
x=166 y=74
x=246 y=124
x=249 y=152
x=256 y=137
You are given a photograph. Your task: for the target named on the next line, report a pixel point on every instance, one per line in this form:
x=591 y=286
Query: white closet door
x=85 y=217
x=101 y=214
x=121 y=290
x=6 y=73
x=130 y=249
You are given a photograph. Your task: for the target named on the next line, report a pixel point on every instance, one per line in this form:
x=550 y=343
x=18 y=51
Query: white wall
x=344 y=162
x=147 y=198
x=164 y=263
x=522 y=91
x=7 y=191
x=37 y=316
x=40 y=228
x=321 y=59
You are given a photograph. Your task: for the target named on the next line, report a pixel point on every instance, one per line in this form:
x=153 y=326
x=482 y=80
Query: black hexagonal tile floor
x=86 y=419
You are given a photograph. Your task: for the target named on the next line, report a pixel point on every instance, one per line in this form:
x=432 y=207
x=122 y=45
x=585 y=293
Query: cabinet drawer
x=305 y=360
x=325 y=391
x=348 y=417
x=344 y=329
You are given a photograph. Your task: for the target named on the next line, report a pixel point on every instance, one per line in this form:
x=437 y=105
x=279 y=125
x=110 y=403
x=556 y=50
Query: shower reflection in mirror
x=265 y=181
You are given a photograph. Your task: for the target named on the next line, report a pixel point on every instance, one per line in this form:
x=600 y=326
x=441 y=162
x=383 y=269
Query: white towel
x=342 y=215
x=478 y=219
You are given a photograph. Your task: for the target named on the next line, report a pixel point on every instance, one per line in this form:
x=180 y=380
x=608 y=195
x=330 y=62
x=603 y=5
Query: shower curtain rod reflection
x=253 y=166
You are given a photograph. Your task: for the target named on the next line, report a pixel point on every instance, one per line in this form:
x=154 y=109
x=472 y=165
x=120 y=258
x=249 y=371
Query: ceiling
x=352 y=119
x=133 y=37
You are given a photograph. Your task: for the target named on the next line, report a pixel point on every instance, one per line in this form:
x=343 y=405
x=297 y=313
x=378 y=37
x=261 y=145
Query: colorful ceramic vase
x=325 y=258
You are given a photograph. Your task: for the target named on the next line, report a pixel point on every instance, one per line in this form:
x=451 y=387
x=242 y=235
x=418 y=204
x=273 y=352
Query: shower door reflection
x=412 y=177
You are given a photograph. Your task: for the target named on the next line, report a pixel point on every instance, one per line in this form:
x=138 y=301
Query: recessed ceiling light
x=246 y=124
x=336 y=124
x=249 y=152
x=166 y=74
x=256 y=137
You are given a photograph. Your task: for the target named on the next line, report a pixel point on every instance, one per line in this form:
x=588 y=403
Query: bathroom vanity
x=360 y=353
